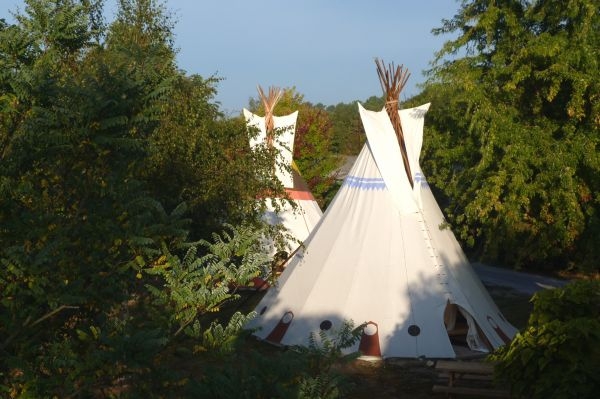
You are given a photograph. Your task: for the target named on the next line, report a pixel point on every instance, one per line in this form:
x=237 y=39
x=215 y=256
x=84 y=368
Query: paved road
x=526 y=283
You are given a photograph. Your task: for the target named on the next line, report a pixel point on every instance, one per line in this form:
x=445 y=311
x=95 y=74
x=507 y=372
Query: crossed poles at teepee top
x=269 y=103
x=393 y=79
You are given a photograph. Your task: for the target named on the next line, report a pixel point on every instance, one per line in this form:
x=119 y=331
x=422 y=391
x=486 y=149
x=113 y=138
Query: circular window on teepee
x=414 y=330
x=325 y=325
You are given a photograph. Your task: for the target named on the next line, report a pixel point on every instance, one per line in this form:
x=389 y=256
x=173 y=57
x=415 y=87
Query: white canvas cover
x=379 y=256
x=301 y=213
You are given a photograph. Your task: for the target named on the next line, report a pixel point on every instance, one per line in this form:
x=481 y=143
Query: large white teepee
x=381 y=256
x=301 y=219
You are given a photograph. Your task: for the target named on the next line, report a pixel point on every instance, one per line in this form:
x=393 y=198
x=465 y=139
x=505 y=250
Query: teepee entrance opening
x=462 y=329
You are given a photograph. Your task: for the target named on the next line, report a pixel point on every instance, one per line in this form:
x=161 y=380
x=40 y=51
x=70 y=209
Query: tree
x=71 y=194
x=514 y=128
x=96 y=275
x=348 y=134
x=198 y=157
x=312 y=151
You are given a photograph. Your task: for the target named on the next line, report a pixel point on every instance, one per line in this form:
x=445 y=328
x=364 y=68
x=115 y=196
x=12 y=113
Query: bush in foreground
x=558 y=353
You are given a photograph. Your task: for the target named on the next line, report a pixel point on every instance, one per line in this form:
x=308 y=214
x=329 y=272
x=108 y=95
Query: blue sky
x=325 y=48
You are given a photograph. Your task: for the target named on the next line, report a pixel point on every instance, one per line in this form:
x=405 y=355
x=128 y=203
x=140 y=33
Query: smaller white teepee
x=299 y=213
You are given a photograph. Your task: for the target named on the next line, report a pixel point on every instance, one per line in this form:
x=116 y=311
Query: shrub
x=558 y=354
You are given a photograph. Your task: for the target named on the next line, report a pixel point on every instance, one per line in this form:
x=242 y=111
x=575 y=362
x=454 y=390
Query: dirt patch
x=393 y=378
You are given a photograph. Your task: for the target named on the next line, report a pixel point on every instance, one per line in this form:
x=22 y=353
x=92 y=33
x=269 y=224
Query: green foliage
x=323 y=353
x=250 y=375
x=312 y=150
x=295 y=372
x=327 y=349
x=84 y=216
x=578 y=299
x=69 y=187
x=558 y=353
x=195 y=286
x=197 y=157
x=348 y=133
x=512 y=134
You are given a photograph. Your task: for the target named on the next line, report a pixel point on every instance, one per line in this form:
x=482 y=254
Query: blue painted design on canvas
x=420 y=179
x=365 y=183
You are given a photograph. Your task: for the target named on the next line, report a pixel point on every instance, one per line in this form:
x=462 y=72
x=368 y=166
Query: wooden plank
x=465 y=367
x=488 y=392
x=445 y=375
x=459 y=331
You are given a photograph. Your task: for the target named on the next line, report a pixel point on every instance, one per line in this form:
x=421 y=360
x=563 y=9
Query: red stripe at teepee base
x=369 y=340
x=299 y=194
x=498 y=330
x=281 y=328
